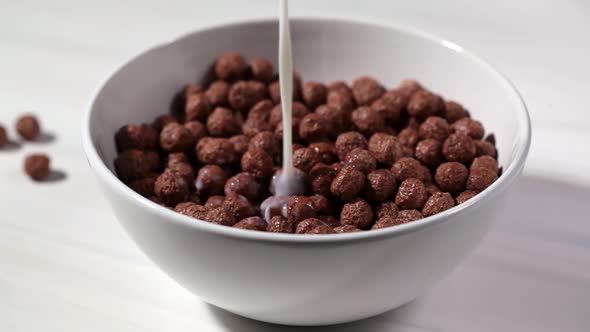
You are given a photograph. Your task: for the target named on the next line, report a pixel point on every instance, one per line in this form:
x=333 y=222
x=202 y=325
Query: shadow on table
x=515 y=275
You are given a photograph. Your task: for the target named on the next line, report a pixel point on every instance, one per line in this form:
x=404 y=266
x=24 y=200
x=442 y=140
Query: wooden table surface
x=67 y=265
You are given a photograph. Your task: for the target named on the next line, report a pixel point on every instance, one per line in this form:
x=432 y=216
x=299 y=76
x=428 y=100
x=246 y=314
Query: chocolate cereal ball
x=197 y=129
x=366 y=90
x=320 y=204
x=408 y=167
x=390 y=106
x=171 y=188
x=320 y=178
x=230 y=67
x=245 y=94
x=367 y=120
x=252 y=223
x=341 y=100
x=465 y=196
x=176 y=138
x=434 y=127
x=244 y=184
x=300 y=208
x=424 y=104
x=220 y=216
x=197 y=107
x=485 y=162
x=214 y=201
x=37 y=166
x=210 y=180
x=339 y=86
x=431 y=188
x=387 y=209
x=313 y=127
x=266 y=141
x=438 y=202
x=480 y=178
x=307 y=225
x=429 y=152
x=297 y=111
x=407 y=216
x=314 y=94
x=408 y=87
x=386 y=222
x=161 y=121
x=258 y=163
x=347 y=184
x=469 y=127
x=380 y=185
x=185 y=170
x=408 y=137
x=361 y=160
x=459 y=147
x=27 y=126
x=217 y=93
x=238 y=206
x=213 y=150
x=386 y=148
x=279 y=224
x=262 y=69
x=411 y=194
x=336 y=120
x=304 y=159
x=177 y=157
x=451 y=177
x=347 y=142
x=132 y=136
x=325 y=151
x=192 y=210
x=223 y=122
x=485 y=148
x=240 y=143
x=261 y=110
x=136 y=164
x=321 y=229
x=357 y=213
x=454 y=111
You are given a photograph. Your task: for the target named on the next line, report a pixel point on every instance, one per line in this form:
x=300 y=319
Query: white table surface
x=67 y=265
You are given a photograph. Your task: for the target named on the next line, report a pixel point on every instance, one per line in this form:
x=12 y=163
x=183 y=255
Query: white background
x=66 y=264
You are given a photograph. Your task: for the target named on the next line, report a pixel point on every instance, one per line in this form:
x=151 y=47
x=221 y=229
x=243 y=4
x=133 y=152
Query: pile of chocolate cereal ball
x=373 y=158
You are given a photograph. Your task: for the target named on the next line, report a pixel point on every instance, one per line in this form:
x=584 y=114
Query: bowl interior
x=324 y=50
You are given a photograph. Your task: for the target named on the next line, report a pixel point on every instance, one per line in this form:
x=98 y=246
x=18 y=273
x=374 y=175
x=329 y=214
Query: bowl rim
x=166 y=215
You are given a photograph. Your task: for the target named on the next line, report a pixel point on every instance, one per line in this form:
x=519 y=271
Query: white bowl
x=308 y=280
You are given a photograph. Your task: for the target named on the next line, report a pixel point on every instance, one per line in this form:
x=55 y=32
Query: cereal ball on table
x=37 y=166
x=27 y=126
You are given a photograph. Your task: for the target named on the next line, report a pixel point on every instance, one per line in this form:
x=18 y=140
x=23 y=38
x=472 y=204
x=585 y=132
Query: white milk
x=288 y=181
